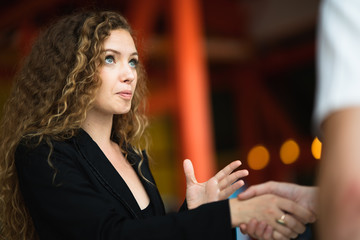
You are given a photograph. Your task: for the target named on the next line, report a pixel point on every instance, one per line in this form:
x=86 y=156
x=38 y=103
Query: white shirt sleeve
x=338 y=59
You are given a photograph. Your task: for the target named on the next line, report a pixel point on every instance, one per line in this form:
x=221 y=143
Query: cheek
x=98 y=96
x=135 y=80
x=102 y=91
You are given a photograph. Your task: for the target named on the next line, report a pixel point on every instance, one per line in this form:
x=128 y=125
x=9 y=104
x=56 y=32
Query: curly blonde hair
x=50 y=97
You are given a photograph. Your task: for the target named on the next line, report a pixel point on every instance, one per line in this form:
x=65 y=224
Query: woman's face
x=117 y=74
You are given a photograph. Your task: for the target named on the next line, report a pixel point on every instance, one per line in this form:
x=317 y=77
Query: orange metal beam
x=192 y=87
x=143 y=21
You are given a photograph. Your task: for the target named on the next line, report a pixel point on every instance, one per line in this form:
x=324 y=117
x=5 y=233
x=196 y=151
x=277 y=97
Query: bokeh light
x=316 y=148
x=258 y=157
x=289 y=151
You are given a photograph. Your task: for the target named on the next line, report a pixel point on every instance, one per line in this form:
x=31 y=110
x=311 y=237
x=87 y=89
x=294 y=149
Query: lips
x=126 y=94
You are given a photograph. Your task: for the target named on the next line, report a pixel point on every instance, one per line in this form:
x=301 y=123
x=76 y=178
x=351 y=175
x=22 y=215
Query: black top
x=82 y=196
x=148 y=211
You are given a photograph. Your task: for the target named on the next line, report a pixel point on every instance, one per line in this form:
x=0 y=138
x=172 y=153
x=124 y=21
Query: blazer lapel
x=150 y=188
x=106 y=173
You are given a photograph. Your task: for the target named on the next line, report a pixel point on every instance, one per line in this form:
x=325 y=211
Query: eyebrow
x=118 y=53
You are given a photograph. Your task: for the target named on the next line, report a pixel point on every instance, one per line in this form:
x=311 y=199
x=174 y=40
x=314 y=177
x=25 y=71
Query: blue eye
x=133 y=63
x=109 y=59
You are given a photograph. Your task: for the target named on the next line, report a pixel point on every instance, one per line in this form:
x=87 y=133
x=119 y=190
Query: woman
x=71 y=165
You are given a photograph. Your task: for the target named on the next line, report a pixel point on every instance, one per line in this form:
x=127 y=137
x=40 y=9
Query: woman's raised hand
x=219 y=187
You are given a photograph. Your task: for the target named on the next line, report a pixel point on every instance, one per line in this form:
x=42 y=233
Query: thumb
x=257 y=190
x=246 y=195
x=189 y=172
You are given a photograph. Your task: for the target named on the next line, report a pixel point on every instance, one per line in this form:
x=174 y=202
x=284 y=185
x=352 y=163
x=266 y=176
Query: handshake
x=272 y=210
x=278 y=210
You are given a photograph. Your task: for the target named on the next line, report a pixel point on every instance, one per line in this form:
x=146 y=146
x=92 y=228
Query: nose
x=127 y=74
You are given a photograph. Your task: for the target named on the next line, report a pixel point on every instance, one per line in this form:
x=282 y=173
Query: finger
x=285 y=229
x=251 y=227
x=243 y=228
x=227 y=170
x=278 y=236
x=256 y=190
x=268 y=233
x=294 y=224
x=260 y=229
x=304 y=215
x=230 y=179
x=189 y=172
x=225 y=193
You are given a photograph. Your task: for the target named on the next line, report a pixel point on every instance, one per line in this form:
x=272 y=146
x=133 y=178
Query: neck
x=99 y=127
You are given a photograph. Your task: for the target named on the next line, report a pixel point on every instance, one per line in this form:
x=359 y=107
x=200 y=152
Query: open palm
x=219 y=187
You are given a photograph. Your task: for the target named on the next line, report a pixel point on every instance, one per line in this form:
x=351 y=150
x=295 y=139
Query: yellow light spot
x=289 y=152
x=316 y=148
x=258 y=157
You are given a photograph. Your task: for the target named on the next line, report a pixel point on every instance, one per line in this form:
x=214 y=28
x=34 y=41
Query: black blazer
x=81 y=196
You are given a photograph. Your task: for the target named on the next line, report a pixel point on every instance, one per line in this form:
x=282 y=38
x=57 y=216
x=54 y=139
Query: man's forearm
x=339 y=178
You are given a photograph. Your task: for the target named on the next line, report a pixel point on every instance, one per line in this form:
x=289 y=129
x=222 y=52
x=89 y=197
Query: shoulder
x=47 y=162
x=36 y=152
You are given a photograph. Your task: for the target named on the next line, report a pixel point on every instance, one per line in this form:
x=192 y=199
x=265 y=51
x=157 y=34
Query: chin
x=123 y=111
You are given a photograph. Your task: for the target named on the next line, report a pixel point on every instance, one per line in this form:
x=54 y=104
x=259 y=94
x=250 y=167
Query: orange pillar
x=193 y=88
x=142 y=20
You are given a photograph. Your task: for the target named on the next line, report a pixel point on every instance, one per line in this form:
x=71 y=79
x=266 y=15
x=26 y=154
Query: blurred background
x=229 y=79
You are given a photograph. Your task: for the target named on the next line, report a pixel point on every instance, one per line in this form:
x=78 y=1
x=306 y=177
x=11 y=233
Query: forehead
x=120 y=40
